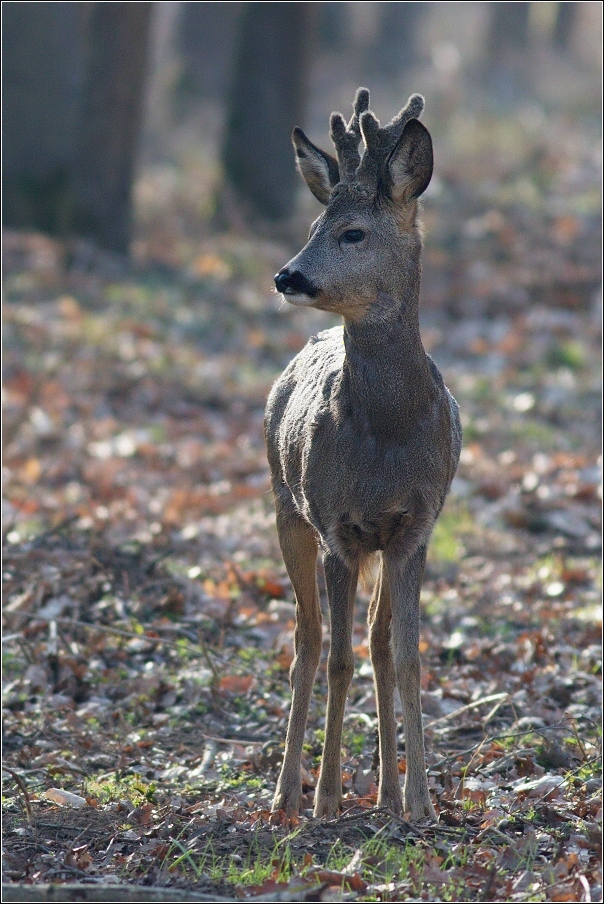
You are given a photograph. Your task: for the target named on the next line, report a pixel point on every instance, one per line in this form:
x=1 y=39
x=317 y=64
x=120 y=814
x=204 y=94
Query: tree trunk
x=396 y=50
x=267 y=100
x=110 y=125
x=565 y=24
x=509 y=29
x=206 y=39
x=507 y=60
x=42 y=67
x=333 y=26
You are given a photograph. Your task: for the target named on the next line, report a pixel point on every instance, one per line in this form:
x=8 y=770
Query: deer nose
x=282 y=280
x=293 y=282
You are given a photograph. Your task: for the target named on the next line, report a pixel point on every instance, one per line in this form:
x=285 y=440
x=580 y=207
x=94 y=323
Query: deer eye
x=352 y=236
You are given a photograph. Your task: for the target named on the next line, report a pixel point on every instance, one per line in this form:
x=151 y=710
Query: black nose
x=294 y=282
x=282 y=280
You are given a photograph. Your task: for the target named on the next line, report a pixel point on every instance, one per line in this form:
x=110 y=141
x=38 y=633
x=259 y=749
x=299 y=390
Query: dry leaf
x=237 y=684
x=30 y=472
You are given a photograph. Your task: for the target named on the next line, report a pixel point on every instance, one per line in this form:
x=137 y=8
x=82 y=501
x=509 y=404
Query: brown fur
x=363 y=440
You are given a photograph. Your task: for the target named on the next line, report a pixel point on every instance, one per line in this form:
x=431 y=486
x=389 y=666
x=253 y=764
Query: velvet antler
x=346 y=138
x=324 y=173
x=380 y=141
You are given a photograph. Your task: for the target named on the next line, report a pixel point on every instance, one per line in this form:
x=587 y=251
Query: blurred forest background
x=98 y=96
x=149 y=195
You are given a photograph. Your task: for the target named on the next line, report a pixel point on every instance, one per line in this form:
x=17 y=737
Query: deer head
x=365 y=246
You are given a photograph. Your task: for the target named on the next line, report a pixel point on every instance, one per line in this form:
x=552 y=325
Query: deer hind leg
x=341 y=584
x=404 y=577
x=389 y=794
x=299 y=548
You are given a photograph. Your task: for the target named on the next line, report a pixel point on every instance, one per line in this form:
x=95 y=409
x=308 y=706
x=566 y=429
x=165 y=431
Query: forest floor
x=148 y=617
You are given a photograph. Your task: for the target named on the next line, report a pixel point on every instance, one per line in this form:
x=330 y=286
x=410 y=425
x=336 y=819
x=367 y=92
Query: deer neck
x=386 y=369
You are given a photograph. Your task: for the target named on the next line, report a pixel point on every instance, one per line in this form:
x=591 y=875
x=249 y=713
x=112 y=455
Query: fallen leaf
x=330 y=877
x=30 y=472
x=285 y=657
x=142 y=815
x=237 y=684
x=78 y=858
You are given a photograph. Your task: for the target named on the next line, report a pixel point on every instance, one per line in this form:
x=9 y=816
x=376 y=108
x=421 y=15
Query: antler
x=324 y=173
x=346 y=138
x=379 y=141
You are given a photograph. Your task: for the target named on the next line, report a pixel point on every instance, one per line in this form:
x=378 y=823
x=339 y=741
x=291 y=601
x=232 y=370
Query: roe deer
x=363 y=441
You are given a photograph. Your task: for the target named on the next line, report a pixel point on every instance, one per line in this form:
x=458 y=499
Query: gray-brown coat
x=363 y=441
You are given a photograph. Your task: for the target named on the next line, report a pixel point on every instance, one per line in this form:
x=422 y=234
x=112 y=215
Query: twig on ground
x=489 y=740
x=21 y=785
x=588 y=762
x=239 y=741
x=492 y=712
x=578 y=739
x=462 y=709
x=107 y=629
x=209 y=755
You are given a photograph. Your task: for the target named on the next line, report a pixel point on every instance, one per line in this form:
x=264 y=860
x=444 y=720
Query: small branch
x=489 y=740
x=208 y=660
x=491 y=713
x=21 y=785
x=119 y=632
x=380 y=811
x=588 y=762
x=463 y=709
x=239 y=741
x=7 y=638
x=209 y=756
x=579 y=740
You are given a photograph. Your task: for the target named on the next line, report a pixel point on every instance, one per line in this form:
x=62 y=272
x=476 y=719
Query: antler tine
x=412 y=110
x=346 y=137
x=379 y=141
x=361 y=103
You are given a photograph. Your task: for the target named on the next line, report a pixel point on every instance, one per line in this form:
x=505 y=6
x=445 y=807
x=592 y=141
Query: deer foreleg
x=299 y=548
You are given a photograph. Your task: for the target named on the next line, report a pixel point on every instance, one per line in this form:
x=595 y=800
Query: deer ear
x=411 y=162
x=319 y=169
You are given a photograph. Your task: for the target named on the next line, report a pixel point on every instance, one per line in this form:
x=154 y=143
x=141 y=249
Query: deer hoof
x=327 y=805
x=419 y=809
x=391 y=800
x=289 y=801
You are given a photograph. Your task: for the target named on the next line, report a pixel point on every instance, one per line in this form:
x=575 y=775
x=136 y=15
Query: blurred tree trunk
x=73 y=80
x=509 y=29
x=43 y=50
x=565 y=24
x=333 y=26
x=506 y=51
x=267 y=100
x=206 y=40
x=397 y=40
x=111 y=116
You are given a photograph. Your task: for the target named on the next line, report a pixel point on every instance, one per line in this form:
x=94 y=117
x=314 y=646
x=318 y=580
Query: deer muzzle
x=293 y=283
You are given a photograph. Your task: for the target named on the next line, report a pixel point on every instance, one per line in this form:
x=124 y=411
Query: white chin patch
x=298 y=299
